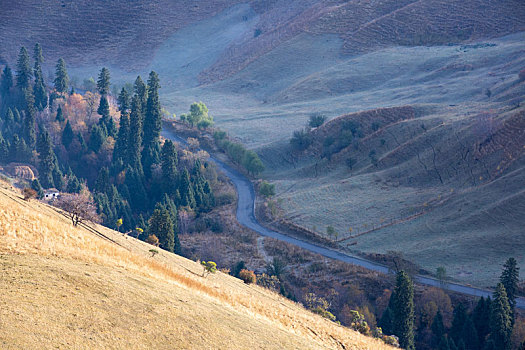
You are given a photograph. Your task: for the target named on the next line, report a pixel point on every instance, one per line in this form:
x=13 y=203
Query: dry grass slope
x=66 y=287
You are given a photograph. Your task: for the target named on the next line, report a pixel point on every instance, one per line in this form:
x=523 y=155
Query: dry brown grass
x=66 y=287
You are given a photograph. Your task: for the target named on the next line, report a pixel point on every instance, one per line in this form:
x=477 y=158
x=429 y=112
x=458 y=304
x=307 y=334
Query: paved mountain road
x=246 y=216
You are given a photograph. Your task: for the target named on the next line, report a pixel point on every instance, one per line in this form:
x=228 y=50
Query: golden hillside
x=65 y=287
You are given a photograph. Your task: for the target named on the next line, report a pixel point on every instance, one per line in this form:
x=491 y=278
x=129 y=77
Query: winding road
x=246 y=217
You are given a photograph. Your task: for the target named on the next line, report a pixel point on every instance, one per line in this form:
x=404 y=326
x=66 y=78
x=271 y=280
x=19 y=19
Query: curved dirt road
x=246 y=216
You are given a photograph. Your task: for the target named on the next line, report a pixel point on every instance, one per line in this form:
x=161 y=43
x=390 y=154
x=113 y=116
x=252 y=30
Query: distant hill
x=127 y=34
x=75 y=288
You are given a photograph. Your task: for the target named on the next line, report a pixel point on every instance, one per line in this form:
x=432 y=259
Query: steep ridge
x=89 y=289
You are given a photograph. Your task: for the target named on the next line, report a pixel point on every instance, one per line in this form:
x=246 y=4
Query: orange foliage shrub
x=247 y=276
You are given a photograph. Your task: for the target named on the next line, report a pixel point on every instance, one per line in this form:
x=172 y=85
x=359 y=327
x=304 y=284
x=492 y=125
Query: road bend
x=246 y=216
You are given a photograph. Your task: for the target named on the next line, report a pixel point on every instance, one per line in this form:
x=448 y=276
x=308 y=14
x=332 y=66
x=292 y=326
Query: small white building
x=51 y=194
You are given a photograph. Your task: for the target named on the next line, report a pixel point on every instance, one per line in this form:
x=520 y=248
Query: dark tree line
x=131 y=174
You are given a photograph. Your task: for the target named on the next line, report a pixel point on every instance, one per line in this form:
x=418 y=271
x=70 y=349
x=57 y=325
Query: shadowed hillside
x=74 y=288
x=434 y=186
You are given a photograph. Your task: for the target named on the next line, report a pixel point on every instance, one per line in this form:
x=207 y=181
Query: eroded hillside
x=433 y=186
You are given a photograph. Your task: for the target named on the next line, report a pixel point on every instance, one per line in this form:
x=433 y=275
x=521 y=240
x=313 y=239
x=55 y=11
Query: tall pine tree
x=6 y=82
x=161 y=225
x=135 y=134
x=404 y=311
x=510 y=278
x=23 y=69
x=103 y=81
x=61 y=77
x=46 y=157
x=500 y=319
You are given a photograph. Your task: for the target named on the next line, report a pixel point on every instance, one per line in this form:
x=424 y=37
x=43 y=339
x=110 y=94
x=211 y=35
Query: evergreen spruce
x=135 y=132
x=103 y=81
x=120 y=151
x=61 y=77
x=4 y=150
x=404 y=311
x=7 y=82
x=60 y=115
x=153 y=117
x=469 y=336
x=481 y=317
x=96 y=138
x=47 y=159
x=458 y=322
x=510 y=278
x=23 y=70
x=169 y=167
x=29 y=118
x=500 y=319
x=39 y=87
x=67 y=135
x=124 y=102
x=161 y=225
x=438 y=329
x=40 y=91
x=141 y=91
x=18 y=150
x=102 y=185
x=38 y=56
x=35 y=185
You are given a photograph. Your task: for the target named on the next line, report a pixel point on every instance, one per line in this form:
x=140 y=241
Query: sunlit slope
x=62 y=287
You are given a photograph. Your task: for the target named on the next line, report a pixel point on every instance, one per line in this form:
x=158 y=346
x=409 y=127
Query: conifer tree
x=186 y=190
x=161 y=225
x=58 y=178
x=438 y=329
x=135 y=132
x=39 y=87
x=96 y=138
x=103 y=111
x=403 y=311
x=18 y=150
x=169 y=167
x=38 y=56
x=153 y=117
x=29 y=118
x=47 y=159
x=500 y=319
x=4 y=149
x=40 y=91
x=469 y=336
x=60 y=115
x=61 y=77
x=481 y=317
x=103 y=81
x=510 y=278
x=123 y=100
x=102 y=185
x=170 y=206
x=458 y=321
x=120 y=151
x=73 y=184
x=23 y=69
x=67 y=135
x=35 y=185
x=141 y=91
x=6 y=82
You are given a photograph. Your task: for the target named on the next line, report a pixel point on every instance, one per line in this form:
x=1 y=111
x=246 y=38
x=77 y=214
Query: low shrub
x=29 y=193
x=247 y=276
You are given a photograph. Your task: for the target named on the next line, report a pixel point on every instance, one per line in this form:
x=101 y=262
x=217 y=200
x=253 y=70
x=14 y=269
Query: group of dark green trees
x=487 y=327
x=131 y=175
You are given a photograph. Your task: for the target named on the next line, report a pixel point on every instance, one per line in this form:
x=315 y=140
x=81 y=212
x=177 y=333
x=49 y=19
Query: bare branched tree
x=78 y=207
